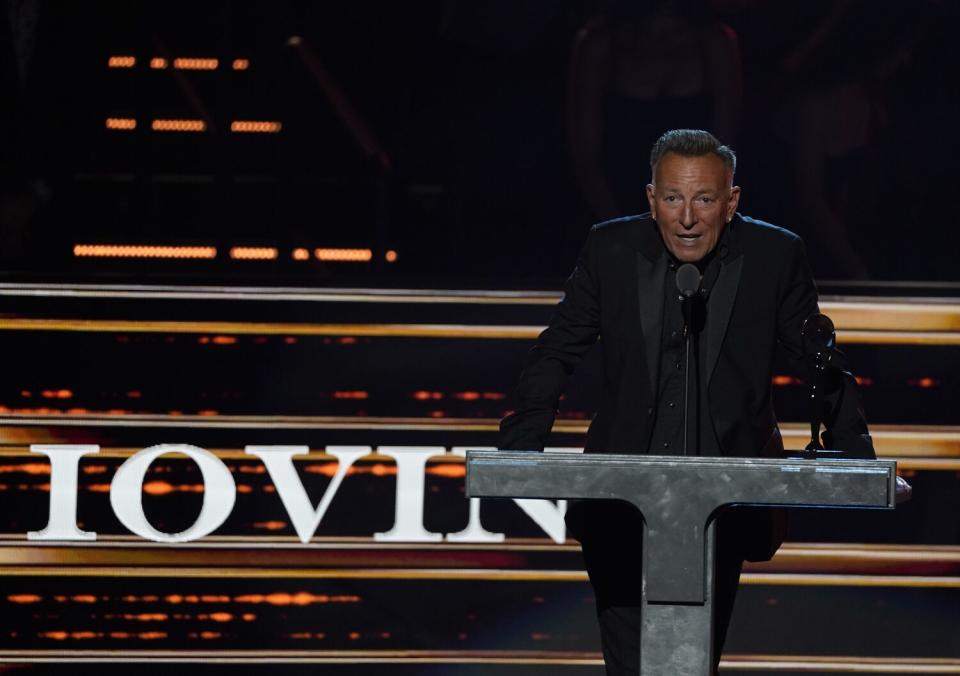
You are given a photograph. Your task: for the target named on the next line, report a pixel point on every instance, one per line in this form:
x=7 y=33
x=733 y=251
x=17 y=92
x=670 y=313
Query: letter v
x=279 y=463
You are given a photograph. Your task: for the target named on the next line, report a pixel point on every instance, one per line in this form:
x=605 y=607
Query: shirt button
x=650 y=411
x=666 y=444
x=672 y=405
x=679 y=366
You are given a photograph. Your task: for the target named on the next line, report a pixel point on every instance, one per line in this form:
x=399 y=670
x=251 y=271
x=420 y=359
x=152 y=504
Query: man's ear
x=652 y=200
x=733 y=202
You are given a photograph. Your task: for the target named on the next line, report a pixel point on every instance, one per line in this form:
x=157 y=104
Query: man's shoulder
x=633 y=230
x=762 y=232
x=623 y=224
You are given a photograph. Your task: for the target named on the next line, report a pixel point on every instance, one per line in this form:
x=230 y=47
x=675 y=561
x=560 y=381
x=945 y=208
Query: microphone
x=688 y=279
x=688 y=283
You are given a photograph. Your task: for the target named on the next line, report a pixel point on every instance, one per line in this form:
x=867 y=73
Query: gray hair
x=692 y=143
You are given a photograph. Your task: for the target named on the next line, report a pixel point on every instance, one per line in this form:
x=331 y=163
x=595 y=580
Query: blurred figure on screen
x=638 y=68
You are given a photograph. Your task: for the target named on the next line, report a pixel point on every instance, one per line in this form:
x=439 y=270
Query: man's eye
x=706 y=200
x=671 y=198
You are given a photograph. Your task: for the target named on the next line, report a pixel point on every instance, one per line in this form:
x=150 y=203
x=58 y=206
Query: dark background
x=467 y=104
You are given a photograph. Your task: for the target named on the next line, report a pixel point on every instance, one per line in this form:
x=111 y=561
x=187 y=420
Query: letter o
x=219 y=493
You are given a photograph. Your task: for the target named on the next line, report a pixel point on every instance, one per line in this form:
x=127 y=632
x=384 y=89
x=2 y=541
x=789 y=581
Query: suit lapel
x=720 y=305
x=651 y=271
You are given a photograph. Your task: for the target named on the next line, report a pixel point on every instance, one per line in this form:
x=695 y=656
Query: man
x=756 y=291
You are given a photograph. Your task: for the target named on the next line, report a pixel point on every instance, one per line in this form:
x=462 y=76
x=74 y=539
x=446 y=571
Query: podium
x=679 y=498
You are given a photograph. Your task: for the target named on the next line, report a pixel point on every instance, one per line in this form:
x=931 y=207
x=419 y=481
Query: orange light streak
x=24 y=598
x=121 y=123
x=38 y=468
x=391 y=256
x=224 y=340
x=298 y=599
x=301 y=254
x=121 y=62
x=343 y=255
x=178 y=125
x=256 y=127
x=424 y=395
x=270 y=525
x=143 y=251
x=448 y=471
x=158 y=63
x=781 y=381
x=241 y=64
x=193 y=63
x=351 y=394
x=146 y=617
x=254 y=253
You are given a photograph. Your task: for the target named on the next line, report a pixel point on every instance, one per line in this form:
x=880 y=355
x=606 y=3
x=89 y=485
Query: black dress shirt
x=667 y=437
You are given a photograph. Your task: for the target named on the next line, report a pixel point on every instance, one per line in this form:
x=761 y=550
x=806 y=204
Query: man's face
x=692 y=199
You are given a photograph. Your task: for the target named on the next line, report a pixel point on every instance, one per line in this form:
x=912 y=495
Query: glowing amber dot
x=391 y=256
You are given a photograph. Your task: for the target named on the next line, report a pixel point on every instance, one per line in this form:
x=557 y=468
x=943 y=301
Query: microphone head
x=688 y=279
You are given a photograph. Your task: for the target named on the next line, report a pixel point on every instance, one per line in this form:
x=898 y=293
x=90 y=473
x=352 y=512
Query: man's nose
x=687 y=217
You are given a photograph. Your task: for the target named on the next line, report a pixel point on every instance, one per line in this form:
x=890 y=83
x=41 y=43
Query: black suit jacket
x=761 y=297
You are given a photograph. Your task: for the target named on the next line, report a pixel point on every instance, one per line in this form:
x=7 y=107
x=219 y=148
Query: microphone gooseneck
x=688 y=283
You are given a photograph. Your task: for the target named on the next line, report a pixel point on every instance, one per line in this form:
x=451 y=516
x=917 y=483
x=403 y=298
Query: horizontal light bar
x=121 y=62
x=343 y=255
x=192 y=125
x=193 y=63
x=898 y=666
x=180 y=63
x=143 y=251
x=254 y=253
x=179 y=125
x=121 y=123
x=255 y=126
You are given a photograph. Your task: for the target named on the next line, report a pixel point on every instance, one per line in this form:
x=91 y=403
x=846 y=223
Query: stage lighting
x=188 y=63
x=255 y=126
x=179 y=125
x=143 y=251
x=254 y=253
x=121 y=123
x=344 y=255
x=121 y=62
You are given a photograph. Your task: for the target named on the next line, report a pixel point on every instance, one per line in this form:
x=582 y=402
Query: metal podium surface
x=679 y=497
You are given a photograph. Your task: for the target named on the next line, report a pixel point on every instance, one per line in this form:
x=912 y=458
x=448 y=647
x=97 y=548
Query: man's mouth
x=689 y=238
